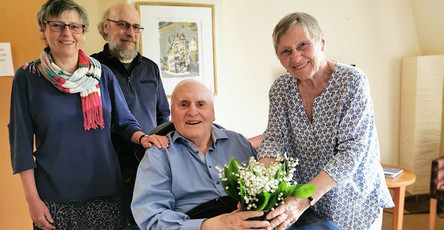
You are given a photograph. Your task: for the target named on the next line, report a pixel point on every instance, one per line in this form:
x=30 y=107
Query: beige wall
x=374 y=35
x=429 y=21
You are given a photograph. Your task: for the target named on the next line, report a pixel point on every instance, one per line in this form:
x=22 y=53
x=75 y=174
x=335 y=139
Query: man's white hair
x=192 y=80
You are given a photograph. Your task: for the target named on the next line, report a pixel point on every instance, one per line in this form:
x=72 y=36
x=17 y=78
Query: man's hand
x=150 y=140
x=235 y=220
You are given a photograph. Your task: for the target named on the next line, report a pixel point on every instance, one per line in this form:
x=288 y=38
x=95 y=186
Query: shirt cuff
x=192 y=224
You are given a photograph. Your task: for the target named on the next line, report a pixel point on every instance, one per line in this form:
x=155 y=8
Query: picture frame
x=180 y=39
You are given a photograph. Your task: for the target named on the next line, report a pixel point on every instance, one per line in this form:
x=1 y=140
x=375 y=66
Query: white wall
x=429 y=21
x=374 y=35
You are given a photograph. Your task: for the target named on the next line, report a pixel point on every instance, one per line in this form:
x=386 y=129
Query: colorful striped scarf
x=85 y=80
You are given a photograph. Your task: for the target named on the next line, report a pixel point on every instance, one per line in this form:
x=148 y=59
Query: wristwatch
x=311 y=200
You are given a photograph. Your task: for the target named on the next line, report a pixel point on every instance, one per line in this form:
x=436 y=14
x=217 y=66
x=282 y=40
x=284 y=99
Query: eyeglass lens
x=60 y=26
x=126 y=25
x=289 y=51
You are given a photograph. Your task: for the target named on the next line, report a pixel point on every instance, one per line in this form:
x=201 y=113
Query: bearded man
x=139 y=80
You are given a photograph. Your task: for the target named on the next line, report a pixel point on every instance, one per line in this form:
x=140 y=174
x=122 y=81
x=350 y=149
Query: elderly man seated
x=172 y=181
x=179 y=188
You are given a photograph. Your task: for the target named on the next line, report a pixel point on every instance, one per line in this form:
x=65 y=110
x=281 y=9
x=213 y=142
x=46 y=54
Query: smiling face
x=192 y=111
x=299 y=53
x=123 y=43
x=64 y=44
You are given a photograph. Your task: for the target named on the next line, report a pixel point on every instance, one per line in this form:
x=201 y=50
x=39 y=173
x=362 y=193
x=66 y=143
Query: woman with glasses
x=321 y=113
x=69 y=103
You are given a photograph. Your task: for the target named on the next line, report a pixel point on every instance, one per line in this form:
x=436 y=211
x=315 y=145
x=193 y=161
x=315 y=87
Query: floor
x=412 y=222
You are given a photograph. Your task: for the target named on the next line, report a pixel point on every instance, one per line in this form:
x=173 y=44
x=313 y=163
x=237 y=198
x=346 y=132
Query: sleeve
x=356 y=130
x=163 y=108
x=20 y=125
x=123 y=122
x=276 y=137
x=153 y=202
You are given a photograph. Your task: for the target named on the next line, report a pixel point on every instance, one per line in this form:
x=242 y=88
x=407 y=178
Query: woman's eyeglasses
x=289 y=51
x=60 y=26
x=126 y=25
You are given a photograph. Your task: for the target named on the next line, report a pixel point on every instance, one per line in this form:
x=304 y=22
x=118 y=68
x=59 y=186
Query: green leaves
x=231 y=184
x=281 y=171
x=303 y=190
x=263 y=198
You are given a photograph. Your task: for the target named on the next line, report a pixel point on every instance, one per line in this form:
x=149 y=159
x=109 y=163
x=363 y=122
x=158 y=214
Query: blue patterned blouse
x=341 y=140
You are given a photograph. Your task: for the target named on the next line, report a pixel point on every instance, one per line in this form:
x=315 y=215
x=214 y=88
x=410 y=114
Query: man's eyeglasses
x=126 y=25
x=60 y=26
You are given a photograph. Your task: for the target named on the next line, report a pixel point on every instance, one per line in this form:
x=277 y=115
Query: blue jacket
x=144 y=93
x=142 y=88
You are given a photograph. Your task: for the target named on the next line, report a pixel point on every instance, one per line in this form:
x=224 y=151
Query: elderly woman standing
x=321 y=112
x=69 y=103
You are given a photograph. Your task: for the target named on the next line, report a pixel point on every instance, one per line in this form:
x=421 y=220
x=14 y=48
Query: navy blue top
x=70 y=163
x=142 y=86
x=143 y=90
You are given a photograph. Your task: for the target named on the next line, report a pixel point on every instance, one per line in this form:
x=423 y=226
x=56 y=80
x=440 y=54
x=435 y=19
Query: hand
x=287 y=213
x=158 y=141
x=40 y=214
x=235 y=220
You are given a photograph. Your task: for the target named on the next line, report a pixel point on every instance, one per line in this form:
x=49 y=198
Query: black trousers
x=309 y=220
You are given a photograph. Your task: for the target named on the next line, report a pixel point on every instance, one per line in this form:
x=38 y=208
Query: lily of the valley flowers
x=260 y=187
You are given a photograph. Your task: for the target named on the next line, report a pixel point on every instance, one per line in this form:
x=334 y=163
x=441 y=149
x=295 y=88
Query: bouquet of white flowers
x=260 y=187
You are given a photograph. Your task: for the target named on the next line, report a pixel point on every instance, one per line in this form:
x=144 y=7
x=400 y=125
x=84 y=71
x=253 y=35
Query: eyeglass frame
x=65 y=25
x=287 y=52
x=136 y=27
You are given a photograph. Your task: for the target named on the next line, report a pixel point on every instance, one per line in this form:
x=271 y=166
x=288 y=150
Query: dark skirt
x=101 y=213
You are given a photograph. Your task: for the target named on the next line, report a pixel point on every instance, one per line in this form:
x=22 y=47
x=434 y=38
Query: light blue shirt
x=171 y=181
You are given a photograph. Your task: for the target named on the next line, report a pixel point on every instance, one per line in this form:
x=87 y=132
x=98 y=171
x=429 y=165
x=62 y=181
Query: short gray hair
x=308 y=22
x=189 y=81
x=54 y=8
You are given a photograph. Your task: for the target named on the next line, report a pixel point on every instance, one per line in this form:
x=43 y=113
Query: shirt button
x=218 y=182
x=209 y=166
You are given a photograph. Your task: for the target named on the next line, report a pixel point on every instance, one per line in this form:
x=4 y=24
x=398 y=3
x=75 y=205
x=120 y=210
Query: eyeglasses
x=126 y=25
x=60 y=26
x=289 y=51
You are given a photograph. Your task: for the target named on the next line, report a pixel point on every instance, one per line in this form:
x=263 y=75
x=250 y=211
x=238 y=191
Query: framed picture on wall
x=179 y=38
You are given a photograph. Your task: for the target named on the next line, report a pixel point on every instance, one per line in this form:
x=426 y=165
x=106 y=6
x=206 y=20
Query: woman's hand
x=287 y=213
x=150 y=140
x=37 y=209
x=147 y=141
x=40 y=214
